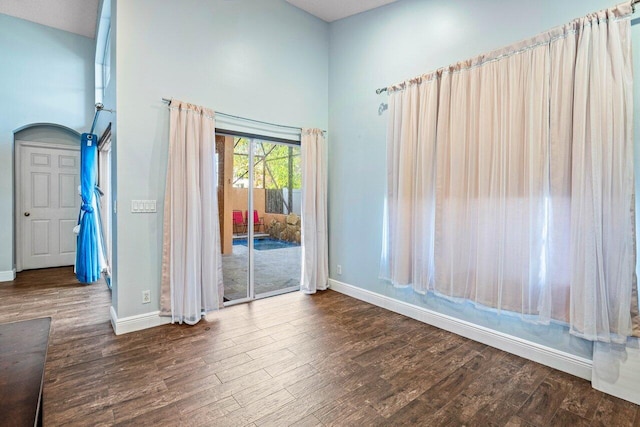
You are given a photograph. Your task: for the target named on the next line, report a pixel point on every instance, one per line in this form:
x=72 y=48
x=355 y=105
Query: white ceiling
x=76 y=16
x=332 y=10
x=79 y=16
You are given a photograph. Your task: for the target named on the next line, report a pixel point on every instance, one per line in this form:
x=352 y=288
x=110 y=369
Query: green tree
x=274 y=165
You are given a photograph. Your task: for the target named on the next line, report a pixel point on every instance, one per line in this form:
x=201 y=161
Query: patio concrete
x=275 y=269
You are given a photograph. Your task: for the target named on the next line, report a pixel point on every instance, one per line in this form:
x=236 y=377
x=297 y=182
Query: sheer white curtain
x=510 y=179
x=104 y=182
x=491 y=176
x=191 y=258
x=315 y=258
x=408 y=246
x=602 y=219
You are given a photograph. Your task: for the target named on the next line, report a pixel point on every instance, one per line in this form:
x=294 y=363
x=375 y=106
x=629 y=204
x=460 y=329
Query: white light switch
x=143 y=206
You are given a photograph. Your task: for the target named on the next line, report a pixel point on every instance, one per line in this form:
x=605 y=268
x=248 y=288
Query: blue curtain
x=87 y=255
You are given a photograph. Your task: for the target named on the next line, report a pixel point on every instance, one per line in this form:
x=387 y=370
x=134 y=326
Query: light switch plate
x=143 y=206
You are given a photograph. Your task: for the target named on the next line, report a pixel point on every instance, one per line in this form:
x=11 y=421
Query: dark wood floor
x=295 y=359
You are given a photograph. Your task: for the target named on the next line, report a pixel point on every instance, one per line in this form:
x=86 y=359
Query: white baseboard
x=7 y=276
x=137 y=323
x=544 y=355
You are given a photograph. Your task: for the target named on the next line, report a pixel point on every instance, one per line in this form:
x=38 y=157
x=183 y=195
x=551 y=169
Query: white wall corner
x=616 y=370
x=7 y=276
x=136 y=323
x=566 y=362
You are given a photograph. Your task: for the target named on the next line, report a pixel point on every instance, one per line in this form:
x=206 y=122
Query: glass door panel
x=259 y=195
x=277 y=203
x=233 y=198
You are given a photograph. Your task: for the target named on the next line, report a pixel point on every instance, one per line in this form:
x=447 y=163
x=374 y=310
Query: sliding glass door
x=259 y=193
x=276 y=240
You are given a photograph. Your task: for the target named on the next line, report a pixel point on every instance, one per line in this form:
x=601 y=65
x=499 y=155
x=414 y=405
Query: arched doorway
x=47 y=165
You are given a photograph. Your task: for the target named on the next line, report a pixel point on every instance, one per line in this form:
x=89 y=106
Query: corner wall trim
x=548 y=356
x=136 y=323
x=7 y=276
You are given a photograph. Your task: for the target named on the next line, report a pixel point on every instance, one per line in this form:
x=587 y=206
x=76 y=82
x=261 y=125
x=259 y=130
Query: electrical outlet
x=146 y=297
x=339 y=269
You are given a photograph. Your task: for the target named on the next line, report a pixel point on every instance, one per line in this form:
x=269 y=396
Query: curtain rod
x=168 y=101
x=633 y=22
x=99 y=107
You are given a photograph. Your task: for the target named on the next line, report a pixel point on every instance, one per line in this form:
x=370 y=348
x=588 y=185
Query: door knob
x=27 y=213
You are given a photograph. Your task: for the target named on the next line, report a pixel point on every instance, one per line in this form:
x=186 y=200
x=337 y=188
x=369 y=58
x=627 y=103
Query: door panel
x=40 y=159
x=49 y=179
x=40 y=246
x=258 y=179
x=68 y=190
x=68 y=237
x=40 y=190
x=232 y=204
x=68 y=162
x=277 y=252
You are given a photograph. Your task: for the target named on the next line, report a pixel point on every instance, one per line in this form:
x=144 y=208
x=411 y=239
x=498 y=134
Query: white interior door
x=49 y=200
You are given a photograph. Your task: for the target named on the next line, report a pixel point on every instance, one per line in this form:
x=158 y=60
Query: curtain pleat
x=411 y=188
x=510 y=179
x=602 y=208
x=315 y=254
x=491 y=190
x=191 y=258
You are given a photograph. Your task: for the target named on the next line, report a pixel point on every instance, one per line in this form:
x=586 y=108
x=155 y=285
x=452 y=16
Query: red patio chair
x=239 y=224
x=257 y=221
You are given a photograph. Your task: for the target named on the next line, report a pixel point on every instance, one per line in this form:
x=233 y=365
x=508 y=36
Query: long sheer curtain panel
x=510 y=179
x=104 y=183
x=315 y=255
x=191 y=259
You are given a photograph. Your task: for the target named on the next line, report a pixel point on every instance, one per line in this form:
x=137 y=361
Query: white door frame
x=19 y=144
x=105 y=205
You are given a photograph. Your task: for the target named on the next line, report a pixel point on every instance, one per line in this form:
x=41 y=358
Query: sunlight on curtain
x=602 y=219
x=315 y=253
x=191 y=258
x=408 y=247
x=492 y=181
x=510 y=179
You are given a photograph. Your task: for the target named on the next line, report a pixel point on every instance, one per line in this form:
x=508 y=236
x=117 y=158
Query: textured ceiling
x=75 y=16
x=79 y=16
x=332 y=10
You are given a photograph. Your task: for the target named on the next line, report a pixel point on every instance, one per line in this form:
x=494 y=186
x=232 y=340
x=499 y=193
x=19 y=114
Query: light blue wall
x=386 y=46
x=107 y=16
x=46 y=76
x=260 y=59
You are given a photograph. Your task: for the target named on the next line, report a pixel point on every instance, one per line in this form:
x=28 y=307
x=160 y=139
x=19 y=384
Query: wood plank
x=582 y=399
x=615 y=412
x=542 y=405
x=323 y=359
x=566 y=418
